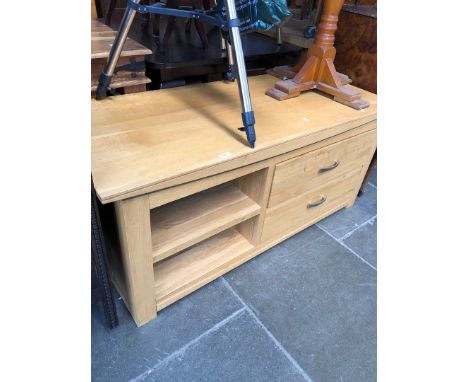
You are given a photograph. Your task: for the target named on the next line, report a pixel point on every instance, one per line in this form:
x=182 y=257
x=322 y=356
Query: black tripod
x=231 y=24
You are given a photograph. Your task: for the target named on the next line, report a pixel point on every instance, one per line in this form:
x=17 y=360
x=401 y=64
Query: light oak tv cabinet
x=192 y=201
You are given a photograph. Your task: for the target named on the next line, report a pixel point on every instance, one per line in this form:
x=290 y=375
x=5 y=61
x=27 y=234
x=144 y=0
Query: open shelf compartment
x=178 y=225
x=179 y=275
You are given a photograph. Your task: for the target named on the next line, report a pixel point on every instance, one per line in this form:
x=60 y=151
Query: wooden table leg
x=133 y=222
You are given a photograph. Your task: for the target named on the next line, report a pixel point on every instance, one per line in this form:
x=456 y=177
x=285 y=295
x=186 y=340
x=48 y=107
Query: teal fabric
x=257 y=15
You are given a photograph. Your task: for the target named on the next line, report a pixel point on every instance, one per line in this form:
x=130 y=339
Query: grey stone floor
x=303 y=311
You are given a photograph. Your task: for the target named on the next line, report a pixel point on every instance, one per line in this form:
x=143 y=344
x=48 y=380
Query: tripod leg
x=229 y=75
x=223 y=41
x=247 y=114
x=114 y=55
x=279 y=36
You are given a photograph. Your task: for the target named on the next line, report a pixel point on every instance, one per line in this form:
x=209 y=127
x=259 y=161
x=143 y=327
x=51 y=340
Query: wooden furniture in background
x=356 y=44
x=192 y=201
x=199 y=24
x=130 y=77
x=292 y=30
x=356 y=50
x=110 y=6
x=93 y=10
x=183 y=61
x=301 y=27
x=317 y=70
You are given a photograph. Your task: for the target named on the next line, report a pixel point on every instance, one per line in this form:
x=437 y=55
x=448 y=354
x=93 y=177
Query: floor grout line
x=182 y=350
x=373 y=185
x=345 y=236
x=348 y=248
x=272 y=337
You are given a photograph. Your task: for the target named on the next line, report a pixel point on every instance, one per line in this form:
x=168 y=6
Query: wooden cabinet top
x=153 y=140
x=102 y=38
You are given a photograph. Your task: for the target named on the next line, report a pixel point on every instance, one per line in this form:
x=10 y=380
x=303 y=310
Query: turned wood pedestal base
x=289 y=88
x=317 y=70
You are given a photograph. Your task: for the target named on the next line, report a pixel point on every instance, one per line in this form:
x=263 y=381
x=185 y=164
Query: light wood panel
x=143 y=142
x=186 y=271
x=172 y=192
x=183 y=223
x=257 y=185
x=174 y=146
x=297 y=175
x=100 y=47
x=133 y=221
x=294 y=213
x=130 y=73
x=179 y=275
x=102 y=37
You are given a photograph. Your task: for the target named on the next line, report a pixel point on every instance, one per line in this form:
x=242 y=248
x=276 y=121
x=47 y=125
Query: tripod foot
x=249 y=132
x=104 y=82
x=248 y=119
x=229 y=75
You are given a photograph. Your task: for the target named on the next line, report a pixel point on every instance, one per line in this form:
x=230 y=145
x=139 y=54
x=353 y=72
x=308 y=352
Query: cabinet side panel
x=133 y=222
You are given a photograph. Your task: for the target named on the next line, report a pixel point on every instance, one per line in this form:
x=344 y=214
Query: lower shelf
x=177 y=276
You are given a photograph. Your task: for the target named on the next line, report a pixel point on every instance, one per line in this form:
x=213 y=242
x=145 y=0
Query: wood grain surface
x=147 y=141
x=180 y=275
x=356 y=49
x=102 y=37
x=295 y=212
x=183 y=223
x=129 y=74
x=297 y=175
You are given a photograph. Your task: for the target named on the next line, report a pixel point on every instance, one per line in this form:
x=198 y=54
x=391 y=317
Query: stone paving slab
x=319 y=301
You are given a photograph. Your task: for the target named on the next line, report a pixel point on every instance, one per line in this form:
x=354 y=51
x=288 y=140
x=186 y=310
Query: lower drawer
x=311 y=206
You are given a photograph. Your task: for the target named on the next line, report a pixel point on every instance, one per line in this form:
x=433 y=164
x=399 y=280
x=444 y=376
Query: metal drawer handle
x=329 y=168
x=312 y=205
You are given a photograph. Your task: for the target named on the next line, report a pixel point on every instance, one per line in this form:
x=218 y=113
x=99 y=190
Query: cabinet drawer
x=306 y=172
x=311 y=206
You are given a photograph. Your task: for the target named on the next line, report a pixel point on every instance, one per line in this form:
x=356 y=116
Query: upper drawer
x=306 y=172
